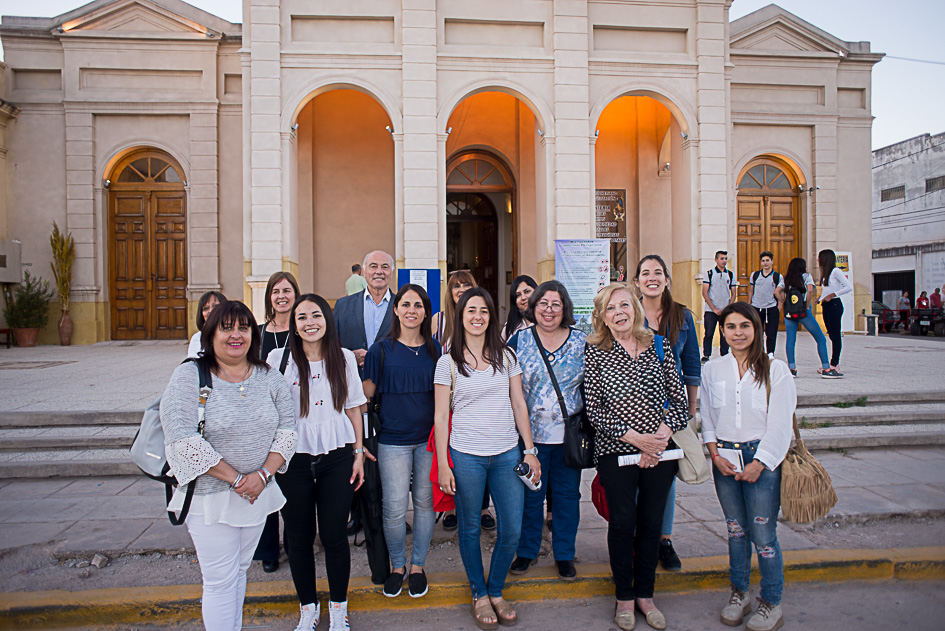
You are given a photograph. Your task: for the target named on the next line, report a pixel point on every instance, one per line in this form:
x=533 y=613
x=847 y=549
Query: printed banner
x=610 y=211
x=583 y=267
x=848 y=319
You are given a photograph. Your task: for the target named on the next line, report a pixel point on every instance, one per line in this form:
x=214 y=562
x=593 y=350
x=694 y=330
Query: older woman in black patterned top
x=636 y=403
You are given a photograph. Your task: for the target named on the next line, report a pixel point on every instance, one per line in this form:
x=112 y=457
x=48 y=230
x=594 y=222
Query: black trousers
x=709 y=322
x=318 y=491
x=833 y=313
x=633 y=536
x=770 y=319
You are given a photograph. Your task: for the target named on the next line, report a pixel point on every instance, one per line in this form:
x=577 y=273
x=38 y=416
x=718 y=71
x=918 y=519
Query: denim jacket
x=686 y=352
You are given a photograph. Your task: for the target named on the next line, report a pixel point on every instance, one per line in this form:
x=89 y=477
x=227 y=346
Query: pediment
x=772 y=29
x=134 y=17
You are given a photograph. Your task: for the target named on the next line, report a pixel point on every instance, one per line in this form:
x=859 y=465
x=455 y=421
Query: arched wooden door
x=768 y=218
x=147 y=248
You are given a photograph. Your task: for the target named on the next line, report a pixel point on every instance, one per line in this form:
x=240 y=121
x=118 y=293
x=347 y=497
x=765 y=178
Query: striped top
x=483 y=424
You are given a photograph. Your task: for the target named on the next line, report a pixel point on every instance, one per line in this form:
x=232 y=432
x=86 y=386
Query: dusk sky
x=908 y=96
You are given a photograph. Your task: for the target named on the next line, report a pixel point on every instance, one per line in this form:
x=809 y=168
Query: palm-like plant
x=63 y=256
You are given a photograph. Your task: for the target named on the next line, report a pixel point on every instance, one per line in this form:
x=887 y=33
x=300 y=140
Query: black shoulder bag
x=578 y=432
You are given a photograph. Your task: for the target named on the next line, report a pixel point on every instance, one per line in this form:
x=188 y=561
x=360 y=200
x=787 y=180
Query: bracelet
x=263 y=476
x=239 y=476
x=714 y=456
x=360 y=450
x=266 y=471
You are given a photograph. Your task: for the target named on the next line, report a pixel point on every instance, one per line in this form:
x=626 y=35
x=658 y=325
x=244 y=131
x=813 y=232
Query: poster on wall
x=429 y=279
x=845 y=264
x=610 y=212
x=933 y=272
x=583 y=267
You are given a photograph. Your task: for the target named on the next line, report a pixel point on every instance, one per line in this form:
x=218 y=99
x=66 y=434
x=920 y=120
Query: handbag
x=578 y=432
x=442 y=502
x=807 y=492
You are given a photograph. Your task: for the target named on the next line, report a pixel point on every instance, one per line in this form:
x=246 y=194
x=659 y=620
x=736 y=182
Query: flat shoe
x=481 y=608
x=656 y=619
x=626 y=620
x=507 y=616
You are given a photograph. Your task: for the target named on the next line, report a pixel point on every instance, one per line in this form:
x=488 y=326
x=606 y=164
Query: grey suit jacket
x=349 y=318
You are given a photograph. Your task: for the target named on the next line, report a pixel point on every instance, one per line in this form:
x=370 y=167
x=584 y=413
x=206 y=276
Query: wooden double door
x=147 y=248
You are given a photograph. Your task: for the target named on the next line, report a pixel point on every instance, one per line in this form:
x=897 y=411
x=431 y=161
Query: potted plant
x=28 y=310
x=63 y=255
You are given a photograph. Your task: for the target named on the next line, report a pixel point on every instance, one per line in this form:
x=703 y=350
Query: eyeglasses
x=457 y=271
x=554 y=307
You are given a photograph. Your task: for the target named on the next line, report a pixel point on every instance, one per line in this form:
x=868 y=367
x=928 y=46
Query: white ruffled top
x=325 y=428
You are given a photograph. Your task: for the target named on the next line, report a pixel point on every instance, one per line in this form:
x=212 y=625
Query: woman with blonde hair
x=635 y=400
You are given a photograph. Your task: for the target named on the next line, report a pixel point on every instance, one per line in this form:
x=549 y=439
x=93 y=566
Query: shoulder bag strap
x=285 y=359
x=452 y=378
x=206 y=385
x=551 y=373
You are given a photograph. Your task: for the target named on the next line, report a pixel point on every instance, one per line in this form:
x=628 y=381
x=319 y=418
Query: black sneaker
x=705 y=359
x=566 y=571
x=668 y=557
x=409 y=529
x=394 y=584
x=450 y=522
x=833 y=373
x=520 y=565
x=487 y=521
x=417 y=584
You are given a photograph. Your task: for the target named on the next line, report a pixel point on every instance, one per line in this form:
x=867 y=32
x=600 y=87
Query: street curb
x=177 y=604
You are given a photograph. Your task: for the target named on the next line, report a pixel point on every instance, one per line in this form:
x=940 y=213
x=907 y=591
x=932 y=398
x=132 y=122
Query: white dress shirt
x=737 y=409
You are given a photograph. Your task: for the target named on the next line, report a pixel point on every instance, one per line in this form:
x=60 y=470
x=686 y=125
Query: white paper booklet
x=734 y=456
x=669 y=454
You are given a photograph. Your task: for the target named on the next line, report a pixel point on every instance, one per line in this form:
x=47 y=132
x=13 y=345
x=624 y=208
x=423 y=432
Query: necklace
x=412 y=350
x=275 y=337
x=229 y=378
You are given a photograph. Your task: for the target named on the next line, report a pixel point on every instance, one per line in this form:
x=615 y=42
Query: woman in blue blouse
x=401 y=369
x=673 y=321
x=550 y=308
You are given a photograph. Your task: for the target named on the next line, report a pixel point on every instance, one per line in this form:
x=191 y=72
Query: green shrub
x=29 y=306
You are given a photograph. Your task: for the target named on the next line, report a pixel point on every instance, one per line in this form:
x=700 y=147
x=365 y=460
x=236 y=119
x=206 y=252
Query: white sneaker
x=739 y=605
x=338 y=616
x=768 y=617
x=309 y=619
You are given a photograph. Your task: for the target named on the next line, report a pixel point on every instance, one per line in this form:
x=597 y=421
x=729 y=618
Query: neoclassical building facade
x=186 y=153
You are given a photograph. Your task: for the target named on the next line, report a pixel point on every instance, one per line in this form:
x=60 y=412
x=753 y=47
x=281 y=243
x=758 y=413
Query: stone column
x=290 y=203
x=421 y=203
x=203 y=242
x=823 y=199
x=398 y=199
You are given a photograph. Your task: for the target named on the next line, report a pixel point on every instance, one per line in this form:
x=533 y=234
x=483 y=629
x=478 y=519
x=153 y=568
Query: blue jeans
x=508 y=497
x=751 y=513
x=814 y=329
x=669 y=513
x=396 y=463
x=566 y=483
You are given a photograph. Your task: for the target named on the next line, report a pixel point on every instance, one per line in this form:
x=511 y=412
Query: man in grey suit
x=364 y=318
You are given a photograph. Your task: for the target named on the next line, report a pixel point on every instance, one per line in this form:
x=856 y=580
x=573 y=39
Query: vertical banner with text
x=610 y=212
x=845 y=263
x=583 y=267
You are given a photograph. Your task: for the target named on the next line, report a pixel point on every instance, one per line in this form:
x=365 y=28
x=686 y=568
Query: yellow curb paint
x=178 y=604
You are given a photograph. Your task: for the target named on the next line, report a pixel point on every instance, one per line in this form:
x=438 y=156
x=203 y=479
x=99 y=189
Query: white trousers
x=225 y=553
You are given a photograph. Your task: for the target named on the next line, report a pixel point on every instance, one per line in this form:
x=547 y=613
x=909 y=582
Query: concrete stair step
x=9 y=420
x=49 y=443
x=866 y=418
x=872 y=398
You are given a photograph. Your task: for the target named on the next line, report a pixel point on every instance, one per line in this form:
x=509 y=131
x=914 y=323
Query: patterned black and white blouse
x=623 y=393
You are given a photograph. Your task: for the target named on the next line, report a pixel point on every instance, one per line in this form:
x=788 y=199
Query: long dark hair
x=673 y=313
x=425 y=326
x=757 y=355
x=827 y=260
x=332 y=355
x=494 y=349
x=204 y=299
x=448 y=312
x=515 y=316
x=274 y=280
x=795 y=274
x=567 y=307
x=229 y=313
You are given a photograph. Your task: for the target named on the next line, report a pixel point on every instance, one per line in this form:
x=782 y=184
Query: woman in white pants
x=247 y=435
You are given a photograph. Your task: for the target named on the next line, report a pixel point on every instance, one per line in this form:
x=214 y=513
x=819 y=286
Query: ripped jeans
x=751 y=514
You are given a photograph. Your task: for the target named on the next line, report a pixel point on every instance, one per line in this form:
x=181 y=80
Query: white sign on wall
x=933 y=272
x=845 y=264
x=583 y=267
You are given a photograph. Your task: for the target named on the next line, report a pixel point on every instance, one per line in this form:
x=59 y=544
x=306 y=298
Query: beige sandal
x=507 y=615
x=481 y=610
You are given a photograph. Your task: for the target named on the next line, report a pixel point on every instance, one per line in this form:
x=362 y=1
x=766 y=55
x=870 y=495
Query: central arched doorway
x=147 y=248
x=769 y=217
x=478 y=187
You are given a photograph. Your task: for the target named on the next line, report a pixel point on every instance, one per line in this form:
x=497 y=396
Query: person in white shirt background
x=204 y=306
x=835 y=284
x=747 y=405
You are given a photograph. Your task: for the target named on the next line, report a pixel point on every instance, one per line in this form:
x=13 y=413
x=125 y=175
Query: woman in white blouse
x=747 y=405
x=835 y=284
x=329 y=462
x=247 y=434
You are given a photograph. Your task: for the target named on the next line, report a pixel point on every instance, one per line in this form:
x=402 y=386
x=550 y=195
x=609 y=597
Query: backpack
x=755 y=275
x=731 y=276
x=795 y=302
x=147 y=448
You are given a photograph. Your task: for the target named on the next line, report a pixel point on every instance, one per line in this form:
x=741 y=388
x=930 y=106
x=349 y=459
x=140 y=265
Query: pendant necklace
x=242 y=383
x=414 y=351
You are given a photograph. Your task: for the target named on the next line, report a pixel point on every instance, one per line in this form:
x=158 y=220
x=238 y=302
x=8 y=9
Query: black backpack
x=755 y=275
x=795 y=302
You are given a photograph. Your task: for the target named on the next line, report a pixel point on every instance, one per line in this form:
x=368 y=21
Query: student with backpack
x=766 y=295
x=798 y=295
x=718 y=290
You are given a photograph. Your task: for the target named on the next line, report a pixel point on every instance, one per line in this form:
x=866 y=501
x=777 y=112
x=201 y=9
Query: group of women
x=285 y=406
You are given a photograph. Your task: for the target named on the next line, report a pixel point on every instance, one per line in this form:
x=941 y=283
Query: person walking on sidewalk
x=766 y=295
x=248 y=434
x=747 y=404
x=328 y=465
x=799 y=294
x=673 y=321
x=480 y=380
x=835 y=284
x=718 y=290
x=551 y=345
x=399 y=371
x=635 y=402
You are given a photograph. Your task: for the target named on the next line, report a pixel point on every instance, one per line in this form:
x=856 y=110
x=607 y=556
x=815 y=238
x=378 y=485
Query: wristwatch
x=360 y=450
x=530 y=452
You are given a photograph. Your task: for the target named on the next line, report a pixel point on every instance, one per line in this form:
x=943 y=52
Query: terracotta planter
x=65 y=329
x=25 y=337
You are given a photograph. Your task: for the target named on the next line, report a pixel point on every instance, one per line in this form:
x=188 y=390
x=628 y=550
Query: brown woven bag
x=806 y=489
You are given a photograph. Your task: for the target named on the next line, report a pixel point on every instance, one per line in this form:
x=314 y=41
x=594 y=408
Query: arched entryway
x=478 y=188
x=769 y=217
x=147 y=247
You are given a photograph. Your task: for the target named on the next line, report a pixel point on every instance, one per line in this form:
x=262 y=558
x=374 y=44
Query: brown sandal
x=482 y=609
x=507 y=615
